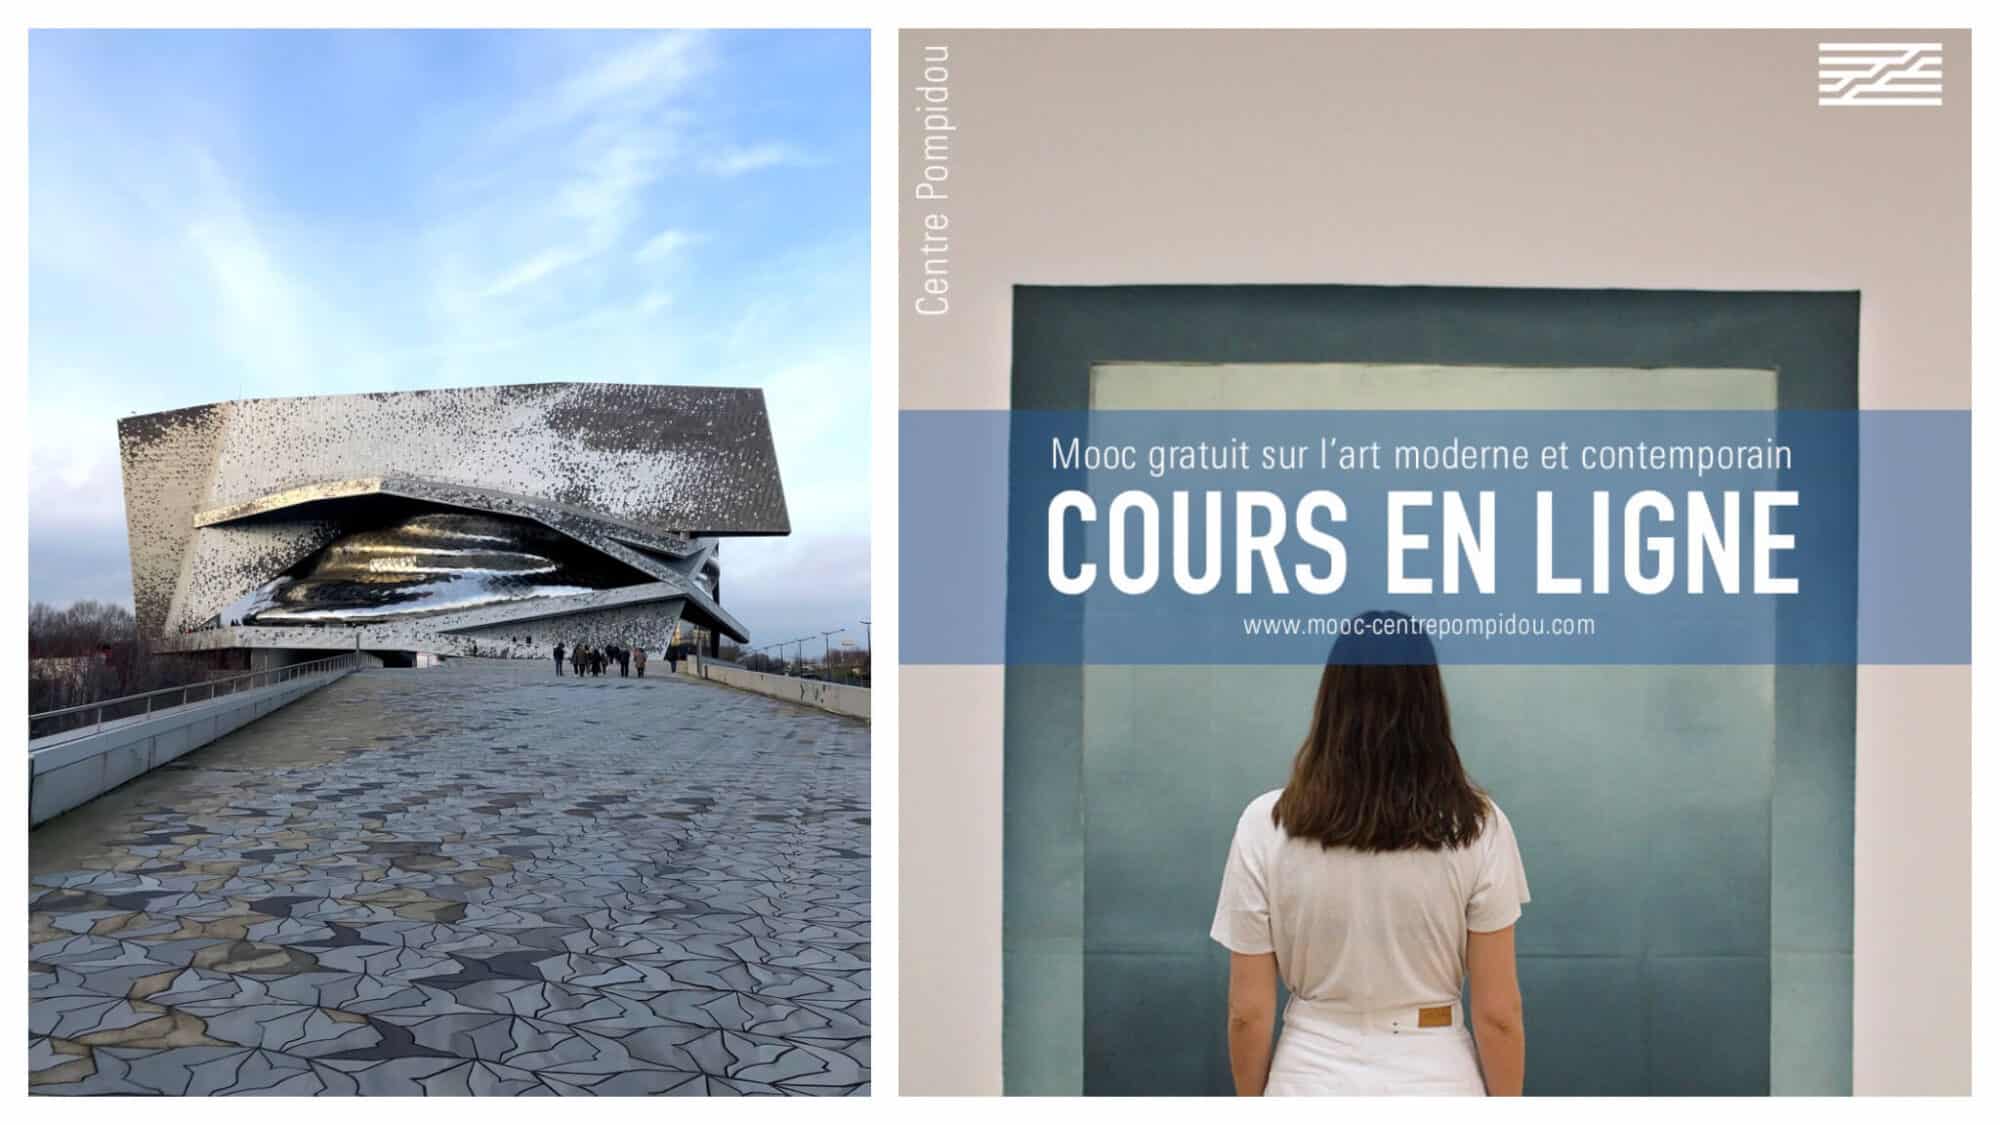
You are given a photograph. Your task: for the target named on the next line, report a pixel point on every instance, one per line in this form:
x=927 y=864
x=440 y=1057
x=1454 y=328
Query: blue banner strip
x=1819 y=537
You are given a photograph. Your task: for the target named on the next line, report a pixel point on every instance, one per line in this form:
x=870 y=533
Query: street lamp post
x=826 y=652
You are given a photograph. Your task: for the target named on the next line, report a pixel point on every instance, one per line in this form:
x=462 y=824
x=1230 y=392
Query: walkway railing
x=89 y=718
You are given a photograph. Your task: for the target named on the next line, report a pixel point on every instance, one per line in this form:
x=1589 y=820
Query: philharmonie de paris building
x=411 y=526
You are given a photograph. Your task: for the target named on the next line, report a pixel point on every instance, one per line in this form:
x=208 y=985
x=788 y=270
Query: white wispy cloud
x=664 y=245
x=737 y=161
x=633 y=79
x=591 y=211
x=565 y=174
x=533 y=270
x=260 y=306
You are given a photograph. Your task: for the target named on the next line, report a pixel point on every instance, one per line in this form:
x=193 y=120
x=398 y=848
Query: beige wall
x=1576 y=159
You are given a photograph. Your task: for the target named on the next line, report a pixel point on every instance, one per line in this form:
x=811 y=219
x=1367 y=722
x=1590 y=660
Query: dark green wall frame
x=1810 y=339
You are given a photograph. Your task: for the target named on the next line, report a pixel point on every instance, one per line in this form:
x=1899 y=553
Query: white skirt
x=1323 y=1051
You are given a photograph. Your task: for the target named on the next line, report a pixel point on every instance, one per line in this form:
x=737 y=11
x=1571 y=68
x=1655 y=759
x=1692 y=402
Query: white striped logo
x=1864 y=74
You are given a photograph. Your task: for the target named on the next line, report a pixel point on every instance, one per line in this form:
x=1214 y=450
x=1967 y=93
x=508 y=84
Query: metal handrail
x=188 y=692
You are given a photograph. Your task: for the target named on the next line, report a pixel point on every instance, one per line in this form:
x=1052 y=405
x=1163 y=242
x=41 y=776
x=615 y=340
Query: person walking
x=559 y=657
x=624 y=663
x=639 y=662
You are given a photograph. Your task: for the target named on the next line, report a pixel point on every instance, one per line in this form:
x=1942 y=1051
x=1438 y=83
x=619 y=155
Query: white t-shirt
x=1365 y=931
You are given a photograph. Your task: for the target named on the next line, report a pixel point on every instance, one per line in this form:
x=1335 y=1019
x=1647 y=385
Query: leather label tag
x=1434 y=1017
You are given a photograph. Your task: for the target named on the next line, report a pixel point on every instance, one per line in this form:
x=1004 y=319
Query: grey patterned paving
x=471 y=880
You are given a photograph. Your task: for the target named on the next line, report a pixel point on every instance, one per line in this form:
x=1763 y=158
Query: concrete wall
x=841 y=699
x=65 y=771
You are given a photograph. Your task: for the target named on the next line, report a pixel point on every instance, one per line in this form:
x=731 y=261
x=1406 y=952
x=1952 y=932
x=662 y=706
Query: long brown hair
x=1378 y=771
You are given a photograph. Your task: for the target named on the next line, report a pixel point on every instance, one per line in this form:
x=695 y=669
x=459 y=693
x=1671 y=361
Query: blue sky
x=221 y=215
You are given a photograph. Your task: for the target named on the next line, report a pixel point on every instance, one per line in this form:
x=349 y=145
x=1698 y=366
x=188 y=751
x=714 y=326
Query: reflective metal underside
x=434 y=562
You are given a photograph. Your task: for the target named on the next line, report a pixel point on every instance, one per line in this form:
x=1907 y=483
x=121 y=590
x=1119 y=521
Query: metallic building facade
x=480 y=520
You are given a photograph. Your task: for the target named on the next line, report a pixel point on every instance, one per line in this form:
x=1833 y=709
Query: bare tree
x=90 y=650
x=83 y=628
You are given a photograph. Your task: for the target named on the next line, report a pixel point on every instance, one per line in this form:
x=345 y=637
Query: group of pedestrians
x=590 y=660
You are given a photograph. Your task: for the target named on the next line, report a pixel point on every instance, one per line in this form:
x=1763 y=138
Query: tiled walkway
x=478 y=879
